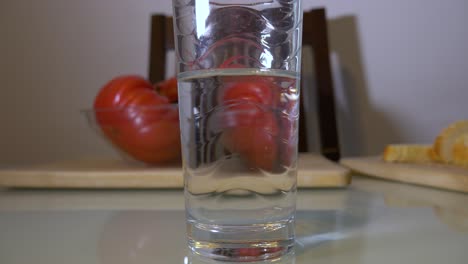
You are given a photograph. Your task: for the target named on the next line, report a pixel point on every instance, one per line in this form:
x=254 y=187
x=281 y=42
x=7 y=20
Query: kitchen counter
x=371 y=221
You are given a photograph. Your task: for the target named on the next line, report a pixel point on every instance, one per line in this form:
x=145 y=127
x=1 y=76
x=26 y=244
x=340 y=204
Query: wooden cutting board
x=314 y=171
x=433 y=175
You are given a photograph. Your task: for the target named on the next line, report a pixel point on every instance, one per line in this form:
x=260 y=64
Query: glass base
x=241 y=252
x=241 y=243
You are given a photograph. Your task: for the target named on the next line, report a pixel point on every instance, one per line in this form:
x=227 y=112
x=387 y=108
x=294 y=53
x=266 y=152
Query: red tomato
x=256 y=252
x=168 y=88
x=249 y=252
x=256 y=143
x=239 y=62
x=244 y=62
x=121 y=92
x=254 y=89
x=138 y=120
x=251 y=128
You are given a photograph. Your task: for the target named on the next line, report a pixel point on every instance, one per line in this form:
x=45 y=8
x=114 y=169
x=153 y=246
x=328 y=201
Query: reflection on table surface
x=372 y=221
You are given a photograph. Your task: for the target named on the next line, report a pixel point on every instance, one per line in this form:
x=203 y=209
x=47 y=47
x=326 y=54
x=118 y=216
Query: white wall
x=403 y=67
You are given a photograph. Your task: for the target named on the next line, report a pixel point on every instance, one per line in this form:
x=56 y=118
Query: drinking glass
x=238 y=64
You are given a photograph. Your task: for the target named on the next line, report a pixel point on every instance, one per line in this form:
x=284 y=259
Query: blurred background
x=400 y=70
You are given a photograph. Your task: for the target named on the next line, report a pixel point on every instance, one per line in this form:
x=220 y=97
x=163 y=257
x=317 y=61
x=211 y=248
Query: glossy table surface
x=372 y=221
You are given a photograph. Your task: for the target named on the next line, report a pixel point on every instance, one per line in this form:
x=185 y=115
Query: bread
x=449 y=147
x=408 y=153
x=460 y=151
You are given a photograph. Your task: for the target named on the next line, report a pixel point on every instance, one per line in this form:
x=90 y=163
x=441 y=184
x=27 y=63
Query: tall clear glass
x=238 y=67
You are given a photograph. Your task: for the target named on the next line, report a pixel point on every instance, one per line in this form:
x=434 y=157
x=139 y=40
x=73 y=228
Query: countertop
x=371 y=221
